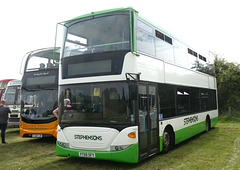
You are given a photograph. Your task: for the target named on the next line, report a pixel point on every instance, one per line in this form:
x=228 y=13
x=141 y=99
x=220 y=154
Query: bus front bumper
x=129 y=155
x=38 y=133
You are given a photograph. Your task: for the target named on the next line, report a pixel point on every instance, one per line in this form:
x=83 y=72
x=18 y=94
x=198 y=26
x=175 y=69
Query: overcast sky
x=204 y=25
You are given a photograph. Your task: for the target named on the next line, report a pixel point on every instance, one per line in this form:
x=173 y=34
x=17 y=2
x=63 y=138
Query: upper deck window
x=98 y=34
x=144 y=26
x=202 y=58
x=42 y=60
x=145 y=38
x=38 y=63
x=180 y=52
x=163 y=37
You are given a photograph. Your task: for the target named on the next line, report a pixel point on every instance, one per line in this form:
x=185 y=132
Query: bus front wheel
x=167 y=141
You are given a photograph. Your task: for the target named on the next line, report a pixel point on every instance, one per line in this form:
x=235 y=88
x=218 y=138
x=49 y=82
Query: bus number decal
x=86 y=137
x=190 y=119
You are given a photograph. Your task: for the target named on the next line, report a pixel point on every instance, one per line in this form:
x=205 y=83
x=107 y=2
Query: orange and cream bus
x=39 y=94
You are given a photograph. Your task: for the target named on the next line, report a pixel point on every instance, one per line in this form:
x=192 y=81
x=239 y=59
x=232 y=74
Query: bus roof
x=100 y=12
x=137 y=13
x=120 y=9
x=6 y=80
x=44 y=52
x=14 y=83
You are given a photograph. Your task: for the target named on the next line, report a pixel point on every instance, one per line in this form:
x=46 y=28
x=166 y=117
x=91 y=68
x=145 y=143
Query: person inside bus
x=67 y=106
x=49 y=65
x=42 y=66
x=30 y=111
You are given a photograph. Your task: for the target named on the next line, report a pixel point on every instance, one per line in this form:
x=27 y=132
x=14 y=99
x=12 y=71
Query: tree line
x=228 y=84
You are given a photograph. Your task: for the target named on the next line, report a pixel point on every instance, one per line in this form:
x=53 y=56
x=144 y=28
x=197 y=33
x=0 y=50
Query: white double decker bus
x=134 y=89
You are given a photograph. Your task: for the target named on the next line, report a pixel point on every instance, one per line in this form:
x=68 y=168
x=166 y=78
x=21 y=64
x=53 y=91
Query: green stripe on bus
x=161 y=143
x=214 y=121
x=134 y=33
x=190 y=131
x=129 y=154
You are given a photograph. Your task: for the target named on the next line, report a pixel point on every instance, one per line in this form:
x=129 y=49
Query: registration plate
x=37 y=135
x=86 y=155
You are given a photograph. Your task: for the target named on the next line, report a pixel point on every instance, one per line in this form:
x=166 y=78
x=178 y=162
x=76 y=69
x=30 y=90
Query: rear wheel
x=208 y=124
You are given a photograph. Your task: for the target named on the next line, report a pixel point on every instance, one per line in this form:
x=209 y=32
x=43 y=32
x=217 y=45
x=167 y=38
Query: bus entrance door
x=148 y=121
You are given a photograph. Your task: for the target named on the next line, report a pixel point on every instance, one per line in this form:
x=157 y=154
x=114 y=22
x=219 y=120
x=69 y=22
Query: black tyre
x=167 y=141
x=208 y=124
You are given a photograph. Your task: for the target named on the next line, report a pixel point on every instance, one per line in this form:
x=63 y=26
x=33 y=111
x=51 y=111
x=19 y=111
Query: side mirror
x=133 y=91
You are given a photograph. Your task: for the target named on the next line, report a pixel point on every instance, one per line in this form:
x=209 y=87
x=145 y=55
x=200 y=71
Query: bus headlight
x=63 y=144
x=118 y=148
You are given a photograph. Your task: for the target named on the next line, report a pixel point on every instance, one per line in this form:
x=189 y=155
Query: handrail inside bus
x=100 y=45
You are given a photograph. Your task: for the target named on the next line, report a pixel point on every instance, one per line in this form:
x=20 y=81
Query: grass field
x=217 y=149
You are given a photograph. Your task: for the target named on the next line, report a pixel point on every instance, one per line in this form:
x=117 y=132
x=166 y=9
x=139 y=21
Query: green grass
x=226 y=118
x=217 y=149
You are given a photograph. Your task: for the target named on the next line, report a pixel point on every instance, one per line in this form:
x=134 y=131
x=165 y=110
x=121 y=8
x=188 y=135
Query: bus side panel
x=129 y=155
x=187 y=126
x=48 y=128
x=185 y=133
x=214 y=121
x=161 y=143
x=189 y=132
x=193 y=130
